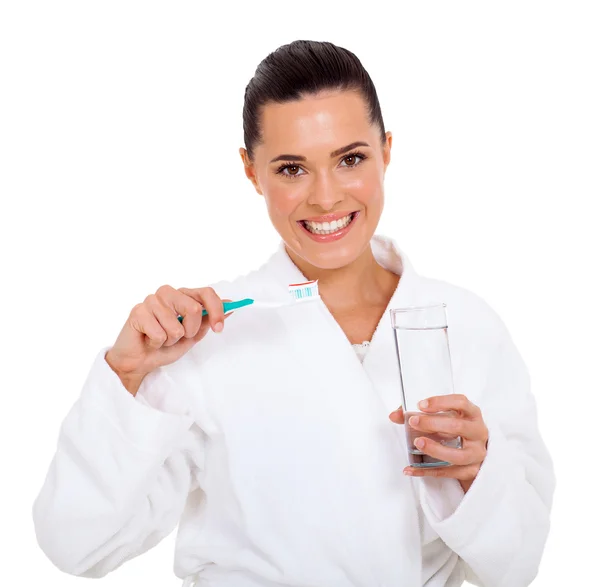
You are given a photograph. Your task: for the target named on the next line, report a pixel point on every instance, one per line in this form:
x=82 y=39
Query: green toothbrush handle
x=227 y=307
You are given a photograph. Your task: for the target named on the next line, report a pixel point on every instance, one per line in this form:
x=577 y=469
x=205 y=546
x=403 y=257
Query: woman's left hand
x=468 y=423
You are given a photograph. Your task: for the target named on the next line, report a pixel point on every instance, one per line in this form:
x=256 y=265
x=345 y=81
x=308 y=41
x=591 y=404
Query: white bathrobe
x=270 y=445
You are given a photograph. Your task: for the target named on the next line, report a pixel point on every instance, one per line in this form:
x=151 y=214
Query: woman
x=268 y=441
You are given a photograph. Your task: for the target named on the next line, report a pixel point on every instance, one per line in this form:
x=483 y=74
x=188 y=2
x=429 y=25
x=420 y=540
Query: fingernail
x=408 y=472
x=218 y=326
x=423 y=403
x=413 y=420
x=419 y=443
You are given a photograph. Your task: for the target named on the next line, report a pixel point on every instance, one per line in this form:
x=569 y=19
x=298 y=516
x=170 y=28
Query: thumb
x=204 y=327
x=397 y=416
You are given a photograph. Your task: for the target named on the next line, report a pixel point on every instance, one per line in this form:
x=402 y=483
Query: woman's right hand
x=153 y=336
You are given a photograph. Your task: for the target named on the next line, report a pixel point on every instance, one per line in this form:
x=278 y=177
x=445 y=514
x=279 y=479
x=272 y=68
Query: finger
x=397 y=416
x=454 y=401
x=211 y=302
x=182 y=305
x=462 y=473
x=472 y=452
x=167 y=318
x=144 y=321
x=204 y=328
x=447 y=425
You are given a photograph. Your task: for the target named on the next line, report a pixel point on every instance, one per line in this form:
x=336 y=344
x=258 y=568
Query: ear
x=250 y=170
x=387 y=150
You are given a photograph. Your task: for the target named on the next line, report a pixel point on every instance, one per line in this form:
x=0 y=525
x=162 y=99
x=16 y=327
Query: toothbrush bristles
x=304 y=291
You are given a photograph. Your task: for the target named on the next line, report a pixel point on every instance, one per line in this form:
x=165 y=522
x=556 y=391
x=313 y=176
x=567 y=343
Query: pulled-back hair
x=305 y=68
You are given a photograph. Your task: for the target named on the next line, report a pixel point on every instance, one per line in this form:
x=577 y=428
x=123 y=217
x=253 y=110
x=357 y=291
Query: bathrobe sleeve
x=120 y=476
x=500 y=526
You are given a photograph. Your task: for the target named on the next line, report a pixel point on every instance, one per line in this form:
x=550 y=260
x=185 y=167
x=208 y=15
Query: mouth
x=332 y=229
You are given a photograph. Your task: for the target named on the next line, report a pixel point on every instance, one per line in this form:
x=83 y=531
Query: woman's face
x=320 y=169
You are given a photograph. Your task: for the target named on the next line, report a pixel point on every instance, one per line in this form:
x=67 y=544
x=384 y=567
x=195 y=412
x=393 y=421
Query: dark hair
x=304 y=68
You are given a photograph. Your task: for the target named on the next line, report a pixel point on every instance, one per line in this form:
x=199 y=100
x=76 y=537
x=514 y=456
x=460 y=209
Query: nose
x=324 y=193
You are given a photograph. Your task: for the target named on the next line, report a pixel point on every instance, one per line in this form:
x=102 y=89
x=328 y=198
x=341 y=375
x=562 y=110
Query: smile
x=330 y=228
x=325 y=228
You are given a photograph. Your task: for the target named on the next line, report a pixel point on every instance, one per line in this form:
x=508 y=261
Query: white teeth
x=328 y=227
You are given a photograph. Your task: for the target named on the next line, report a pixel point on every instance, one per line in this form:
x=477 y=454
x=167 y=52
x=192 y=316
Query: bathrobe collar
x=385 y=250
x=380 y=364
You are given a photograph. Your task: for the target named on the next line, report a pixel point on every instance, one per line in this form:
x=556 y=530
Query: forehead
x=327 y=120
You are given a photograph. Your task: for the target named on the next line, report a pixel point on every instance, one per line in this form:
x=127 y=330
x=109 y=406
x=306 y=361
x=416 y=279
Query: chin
x=332 y=255
x=332 y=259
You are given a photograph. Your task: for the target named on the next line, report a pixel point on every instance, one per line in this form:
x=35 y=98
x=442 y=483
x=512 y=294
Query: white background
x=120 y=125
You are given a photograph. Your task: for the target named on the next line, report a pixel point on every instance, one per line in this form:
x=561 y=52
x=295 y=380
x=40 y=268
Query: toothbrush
x=299 y=292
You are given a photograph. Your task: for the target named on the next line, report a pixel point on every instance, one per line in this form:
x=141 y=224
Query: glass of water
x=421 y=335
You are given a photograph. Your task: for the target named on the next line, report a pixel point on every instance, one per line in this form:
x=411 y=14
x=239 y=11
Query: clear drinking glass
x=421 y=335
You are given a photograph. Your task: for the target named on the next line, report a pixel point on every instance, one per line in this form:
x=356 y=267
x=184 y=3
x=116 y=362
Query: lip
x=334 y=236
x=329 y=217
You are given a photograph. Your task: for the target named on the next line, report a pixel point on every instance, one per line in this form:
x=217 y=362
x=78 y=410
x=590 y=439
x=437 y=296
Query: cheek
x=283 y=199
x=366 y=187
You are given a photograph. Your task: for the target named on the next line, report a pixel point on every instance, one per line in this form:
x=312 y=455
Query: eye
x=291 y=169
x=354 y=158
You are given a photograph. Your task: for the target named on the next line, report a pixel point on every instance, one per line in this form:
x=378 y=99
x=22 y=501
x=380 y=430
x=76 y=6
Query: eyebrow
x=286 y=157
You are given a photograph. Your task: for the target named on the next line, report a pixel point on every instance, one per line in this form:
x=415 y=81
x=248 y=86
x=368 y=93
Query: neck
x=361 y=283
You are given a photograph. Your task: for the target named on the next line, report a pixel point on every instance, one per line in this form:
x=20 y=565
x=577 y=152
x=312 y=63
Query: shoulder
x=465 y=309
x=480 y=343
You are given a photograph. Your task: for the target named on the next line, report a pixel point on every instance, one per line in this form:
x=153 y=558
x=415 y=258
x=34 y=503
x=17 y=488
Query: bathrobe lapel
x=379 y=369
x=321 y=448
